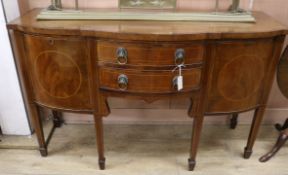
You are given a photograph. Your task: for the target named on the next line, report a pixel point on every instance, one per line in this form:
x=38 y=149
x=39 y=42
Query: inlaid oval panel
x=241 y=77
x=57 y=74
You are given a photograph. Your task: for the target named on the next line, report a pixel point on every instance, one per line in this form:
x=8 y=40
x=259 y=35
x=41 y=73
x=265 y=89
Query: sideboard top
x=265 y=26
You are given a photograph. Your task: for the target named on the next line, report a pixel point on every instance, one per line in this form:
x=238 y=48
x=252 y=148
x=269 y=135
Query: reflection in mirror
x=159 y=4
x=55 y=5
x=76 y=5
x=235 y=6
x=224 y=11
x=146 y=4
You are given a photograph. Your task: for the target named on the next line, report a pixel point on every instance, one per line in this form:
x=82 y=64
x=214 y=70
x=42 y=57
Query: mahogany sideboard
x=74 y=66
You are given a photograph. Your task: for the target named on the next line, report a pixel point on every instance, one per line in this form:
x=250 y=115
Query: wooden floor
x=142 y=150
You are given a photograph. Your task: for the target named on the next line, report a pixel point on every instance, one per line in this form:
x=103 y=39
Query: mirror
x=234 y=6
x=221 y=11
x=147 y=4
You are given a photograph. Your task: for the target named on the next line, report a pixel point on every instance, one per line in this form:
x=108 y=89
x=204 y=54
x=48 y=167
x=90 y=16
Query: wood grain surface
x=153 y=31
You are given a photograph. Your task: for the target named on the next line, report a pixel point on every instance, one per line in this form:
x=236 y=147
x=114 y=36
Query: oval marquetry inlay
x=241 y=77
x=57 y=74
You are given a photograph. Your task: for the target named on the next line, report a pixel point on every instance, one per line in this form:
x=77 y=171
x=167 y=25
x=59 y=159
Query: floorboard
x=144 y=150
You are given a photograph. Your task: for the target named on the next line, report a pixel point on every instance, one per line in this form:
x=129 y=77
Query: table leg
x=100 y=142
x=37 y=124
x=57 y=118
x=280 y=127
x=196 y=133
x=234 y=121
x=258 y=116
x=279 y=144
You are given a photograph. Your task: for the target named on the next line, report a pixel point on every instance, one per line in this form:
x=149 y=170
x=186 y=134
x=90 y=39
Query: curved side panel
x=282 y=73
x=59 y=72
x=239 y=74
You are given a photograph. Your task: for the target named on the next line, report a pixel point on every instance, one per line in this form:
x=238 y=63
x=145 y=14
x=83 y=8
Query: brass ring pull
x=179 y=56
x=51 y=42
x=122 y=55
x=123 y=82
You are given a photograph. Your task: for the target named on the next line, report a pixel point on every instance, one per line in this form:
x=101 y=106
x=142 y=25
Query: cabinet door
x=59 y=71
x=240 y=70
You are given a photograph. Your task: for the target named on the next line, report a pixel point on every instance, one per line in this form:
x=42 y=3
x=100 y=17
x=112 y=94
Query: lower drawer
x=147 y=81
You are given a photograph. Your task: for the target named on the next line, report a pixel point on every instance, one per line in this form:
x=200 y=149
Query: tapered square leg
x=191 y=164
x=100 y=140
x=234 y=121
x=37 y=125
x=102 y=164
x=196 y=133
x=258 y=116
x=43 y=152
x=57 y=119
x=247 y=153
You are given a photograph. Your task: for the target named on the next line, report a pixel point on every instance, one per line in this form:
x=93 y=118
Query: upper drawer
x=149 y=54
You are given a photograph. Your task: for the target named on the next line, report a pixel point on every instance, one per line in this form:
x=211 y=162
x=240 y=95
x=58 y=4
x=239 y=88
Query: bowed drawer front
x=147 y=81
x=149 y=67
x=149 y=54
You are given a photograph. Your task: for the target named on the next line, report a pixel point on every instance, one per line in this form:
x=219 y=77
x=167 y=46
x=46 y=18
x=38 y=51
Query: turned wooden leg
x=57 y=119
x=279 y=144
x=280 y=127
x=37 y=124
x=196 y=133
x=285 y=125
x=258 y=116
x=100 y=141
x=234 y=121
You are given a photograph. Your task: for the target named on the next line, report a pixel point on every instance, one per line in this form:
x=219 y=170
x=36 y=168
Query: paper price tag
x=178 y=80
x=180 y=83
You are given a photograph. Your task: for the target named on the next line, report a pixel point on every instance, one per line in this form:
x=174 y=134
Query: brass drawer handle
x=51 y=42
x=122 y=55
x=179 y=56
x=123 y=82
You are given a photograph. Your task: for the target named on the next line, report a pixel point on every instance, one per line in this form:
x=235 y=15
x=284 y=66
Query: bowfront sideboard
x=226 y=68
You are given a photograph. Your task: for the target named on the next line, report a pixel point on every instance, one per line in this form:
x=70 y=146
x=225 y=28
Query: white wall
x=11 y=9
x=13 y=118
